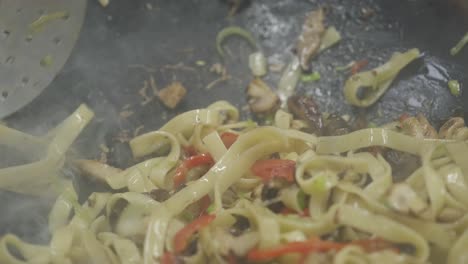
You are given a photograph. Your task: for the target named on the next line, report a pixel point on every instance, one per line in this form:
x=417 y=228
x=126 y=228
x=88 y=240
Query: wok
x=130 y=42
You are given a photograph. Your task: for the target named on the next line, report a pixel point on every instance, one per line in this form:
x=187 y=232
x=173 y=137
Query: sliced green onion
x=330 y=37
x=454 y=87
x=210 y=208
x=39 y=23
x=301 y=200
x=231 y=31
x=47 y=61
x=344 y=67
x=289 y=79
x=312 y=77
x=459 y=46
x=258 y=64
x=319 y=185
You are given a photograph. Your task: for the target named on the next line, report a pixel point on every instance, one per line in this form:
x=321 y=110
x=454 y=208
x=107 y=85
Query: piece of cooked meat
x=172 y=94
x=308 y=43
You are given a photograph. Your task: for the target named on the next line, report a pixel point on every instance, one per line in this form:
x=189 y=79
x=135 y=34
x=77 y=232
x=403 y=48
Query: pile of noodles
x=349 y=190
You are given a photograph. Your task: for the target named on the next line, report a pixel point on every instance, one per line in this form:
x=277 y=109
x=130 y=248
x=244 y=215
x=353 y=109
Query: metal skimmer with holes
x=36 y=39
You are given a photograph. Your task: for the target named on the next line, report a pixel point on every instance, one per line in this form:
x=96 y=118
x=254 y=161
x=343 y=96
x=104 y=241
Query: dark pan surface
x=125 y=44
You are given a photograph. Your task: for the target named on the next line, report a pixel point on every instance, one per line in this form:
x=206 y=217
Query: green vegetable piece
x=39 y=23
x=459 y=46
x=315 y=76
x=210 y=208
x=231 y=31
x=344 y=67
x=47 y=61
x=200 y=63
x=301 y=200
x=454 y=87
x=319 y=185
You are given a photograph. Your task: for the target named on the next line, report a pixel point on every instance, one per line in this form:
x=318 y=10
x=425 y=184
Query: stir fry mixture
x=304 y=187
x=212 y=189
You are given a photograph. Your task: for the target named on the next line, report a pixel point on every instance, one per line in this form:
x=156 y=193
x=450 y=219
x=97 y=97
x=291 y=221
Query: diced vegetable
x=289 y=79
x=301 y=200
x=269 y=169
x=454 y=87
x=47 y=61
x=181 y=239
x=258 y=64
x=329 y=38
x=312 y=77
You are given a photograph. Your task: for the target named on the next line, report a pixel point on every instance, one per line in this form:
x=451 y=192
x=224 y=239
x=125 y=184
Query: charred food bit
x=159 y=195
x=261 y=98
x=417 y=126
x=304 y=107
x=403 y=164
x=335 y=125
x=309 y=41
x=172 y=94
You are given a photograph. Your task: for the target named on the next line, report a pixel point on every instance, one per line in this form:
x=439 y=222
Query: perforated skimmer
x=36 y=39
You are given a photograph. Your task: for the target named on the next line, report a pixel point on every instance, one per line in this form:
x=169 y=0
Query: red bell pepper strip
x=190 y=163
x=228 y=138
x=313 y=245
x=268 y=169
x=168 y=258
x=181 y=239
x=204 y=203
